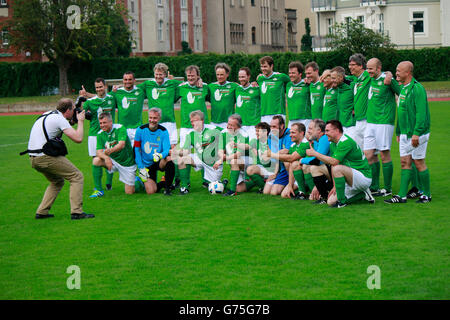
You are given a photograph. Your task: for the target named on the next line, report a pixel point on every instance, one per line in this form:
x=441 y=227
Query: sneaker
x=339 y=205
x=176 y=183
x=184 y=191
x=44 y=216
x=413 y=193
x=225 y=182
x=168 y=192
x=96 y=194
x=320 y=201
x=381 y=193
x=230 y=193
x=368 y=196
x=108 y=187
x=300 y=196
x=260 y=190
x=424 y=199
x=205 y=185
x=84 y=215
x=395 y=199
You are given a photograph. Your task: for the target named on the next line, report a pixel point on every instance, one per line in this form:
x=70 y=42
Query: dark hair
x=313 y=65
x=279 y=118
x=100 y=80
x=130 y=72
x=224 y=66
x=193 y=67
x=336 y=124
x=300 y=126
x=263 y=125
x=298 y=65
x=247 y=70
x=105 y=115
x=64 y=104
x=359 y=59
x=267 y=59
x=319 y=123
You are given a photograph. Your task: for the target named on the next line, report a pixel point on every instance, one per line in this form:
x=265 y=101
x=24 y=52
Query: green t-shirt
x=330 y=108
x=228 y=140
x=413 y=111
x=222 y=98
x=273 y=93
x=345 y=105
x=248 y=105
x=381 y=107
x=192 y=98
x=129 y=106
x=259 y=148
x=349 y=154
x=361 y=87
x=298 y=101
x=317 y=92
x=300 y=148
x=96 y=106
x=106 y=140
x=206 y=144
x=162 y=96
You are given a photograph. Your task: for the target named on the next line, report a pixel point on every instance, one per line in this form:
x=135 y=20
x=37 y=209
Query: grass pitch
x=201 y=246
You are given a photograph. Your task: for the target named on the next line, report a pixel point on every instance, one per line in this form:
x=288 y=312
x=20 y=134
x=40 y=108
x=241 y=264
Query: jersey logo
x=291 y=92
x=190 y=98
x=217 y=95
x=318 y=87
x=109 y=102
x=136 y=93
x=99 y=110
x=264 y=88
x=155 y=94
x=370 y=93
x=239 y=102
x=125 y=103
x=147 y=148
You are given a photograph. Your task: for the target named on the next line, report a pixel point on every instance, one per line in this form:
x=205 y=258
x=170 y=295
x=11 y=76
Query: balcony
x=372 y=3
x=323 y=5
x=320 y=43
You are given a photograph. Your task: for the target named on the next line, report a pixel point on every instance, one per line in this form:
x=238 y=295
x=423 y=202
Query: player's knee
x=96 y=161
x=251 y=170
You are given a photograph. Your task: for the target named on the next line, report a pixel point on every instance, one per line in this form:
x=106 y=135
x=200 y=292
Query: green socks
x=388 y=171
x=339 y=183
x=424 y=177
x=97 y=173
x=234 y=176
x=358 y=197
x=404 y=182
x=258 y=180
x=184 y=176
x=300 y=178
x=309 y=181
x=375 y=176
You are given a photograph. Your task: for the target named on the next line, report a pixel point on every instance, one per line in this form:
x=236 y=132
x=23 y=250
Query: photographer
x=44 y=140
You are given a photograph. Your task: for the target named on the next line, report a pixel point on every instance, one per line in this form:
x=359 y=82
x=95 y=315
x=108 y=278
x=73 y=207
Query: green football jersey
x=300 y=148
x=206 y=144
x=349 y=154
x=192 y=98
x=248 y=105
x=361 y=87
x=330 y=108
x=222 y=98
x=129 y=106
x=381 y=108
x=345 y=105
x=228 y=142
x=96 y=106
x=298 y=101
x=107 y=140
x=273 y=93
x=260 y=147
x=317 y=93
x=162 y=96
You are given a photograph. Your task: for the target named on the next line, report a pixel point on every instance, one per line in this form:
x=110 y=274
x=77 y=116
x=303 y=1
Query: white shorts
x=92 y=146
x=406 y=148
x=222 y=125
x=304 y=121
x=173 y=133
x=264 y=172
x=360 y=128
x=350 y=131
x=251 y=131
x=184 y=132
x=131 y=133
x=126 y=174
x=267 y=119
x=378 y=137
x=211 y=174
x=360 y=183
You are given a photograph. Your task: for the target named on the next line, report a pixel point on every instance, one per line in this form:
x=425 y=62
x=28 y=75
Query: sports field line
x=12 y=144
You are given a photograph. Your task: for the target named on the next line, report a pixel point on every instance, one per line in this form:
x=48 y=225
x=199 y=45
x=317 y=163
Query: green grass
x=201 y=246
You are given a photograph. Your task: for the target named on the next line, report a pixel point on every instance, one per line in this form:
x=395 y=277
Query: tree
x=306 y=38
x=184 y=48
x=353 y=37
x=68 y=30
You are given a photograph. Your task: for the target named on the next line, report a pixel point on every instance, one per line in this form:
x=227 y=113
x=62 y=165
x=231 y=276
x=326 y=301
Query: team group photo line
x=323 y=137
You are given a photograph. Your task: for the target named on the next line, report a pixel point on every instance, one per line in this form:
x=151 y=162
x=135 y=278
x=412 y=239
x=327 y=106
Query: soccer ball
x=215 y=187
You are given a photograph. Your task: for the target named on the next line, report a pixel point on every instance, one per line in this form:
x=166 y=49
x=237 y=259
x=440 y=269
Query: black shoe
x=339 y=205
x=84 y=215
x=225 y=182
x=205 y=185
x=260 y=190
x=176 y=183
x=395 y=199
x=108 y=187
x=368 y=196
x=230 y=193
x=300 y=196
x=44 y=216
x=381 y=193
x=184 y=191
x=424 y=199
x=167 y=192
x=413 y=193
x=320 y=201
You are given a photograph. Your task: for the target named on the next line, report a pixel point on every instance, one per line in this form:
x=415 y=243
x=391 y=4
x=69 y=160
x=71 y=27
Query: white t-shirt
x=55 y=124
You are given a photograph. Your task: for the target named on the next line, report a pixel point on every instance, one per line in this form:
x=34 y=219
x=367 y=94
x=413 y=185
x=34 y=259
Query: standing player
x=114 y=152
x=316 y=89
x=151 y=148
x=380 y=128
x=350 y=169
x=248 y=103
x=273 y=87
x=222 y=96
x=96 y=105
x=330 y=108
x=298 y=101
x=361 y=84
x=413 y=132
x=344 y=100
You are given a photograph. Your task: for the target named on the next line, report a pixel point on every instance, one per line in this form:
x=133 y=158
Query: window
x=231 y=3
x=132 y=6
x=360 y=19
x=237 y=33
x=184 y=32
x=159 y=3
x=5 y=38
x=253 y=3
x=275 y=4
x=381 y=23
x=3 y=3
x=184 y=3
x=160 y=30
x=330 y=25
x=418 y=17
x=253 y=35
x=242 y=3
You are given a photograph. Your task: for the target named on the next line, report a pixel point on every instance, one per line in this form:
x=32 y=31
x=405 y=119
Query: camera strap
x=45 y=132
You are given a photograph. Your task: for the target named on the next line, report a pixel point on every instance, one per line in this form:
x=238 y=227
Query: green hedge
x=28 y=79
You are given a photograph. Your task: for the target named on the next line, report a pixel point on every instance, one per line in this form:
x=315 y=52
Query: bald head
x=404 y=72
x=374 y=67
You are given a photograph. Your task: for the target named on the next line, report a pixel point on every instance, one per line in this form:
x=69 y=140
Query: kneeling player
x=152 y=147
x=114 y=152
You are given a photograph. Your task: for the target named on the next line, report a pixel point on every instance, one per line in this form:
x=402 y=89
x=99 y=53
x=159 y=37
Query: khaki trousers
x=56 y=169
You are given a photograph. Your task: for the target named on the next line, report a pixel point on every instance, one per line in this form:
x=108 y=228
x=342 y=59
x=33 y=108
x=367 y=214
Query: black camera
x=78 y=108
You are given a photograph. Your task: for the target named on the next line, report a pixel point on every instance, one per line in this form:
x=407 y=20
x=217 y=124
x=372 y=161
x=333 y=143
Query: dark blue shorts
x=282 y=178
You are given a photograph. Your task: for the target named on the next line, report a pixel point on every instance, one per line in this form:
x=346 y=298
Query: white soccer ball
x=215 y=187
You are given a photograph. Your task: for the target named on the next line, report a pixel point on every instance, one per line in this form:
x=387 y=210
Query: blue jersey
x=284 y=142
x=147 y=142
x=322 y=146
